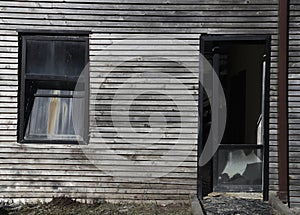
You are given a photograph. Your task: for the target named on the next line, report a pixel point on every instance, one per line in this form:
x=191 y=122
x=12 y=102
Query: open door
x=241 y=162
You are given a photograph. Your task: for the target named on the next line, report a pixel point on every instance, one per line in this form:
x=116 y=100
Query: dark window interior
x=55 y=57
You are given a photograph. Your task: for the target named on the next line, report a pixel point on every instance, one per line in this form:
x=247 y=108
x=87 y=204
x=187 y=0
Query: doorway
x=241 y=162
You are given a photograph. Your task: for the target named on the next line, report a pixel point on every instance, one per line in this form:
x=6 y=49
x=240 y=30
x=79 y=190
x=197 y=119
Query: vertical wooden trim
x=282 y=100
x=266 y=119
x=21 y=86
x=86 y=136
x=200 y=120
x=215 y=92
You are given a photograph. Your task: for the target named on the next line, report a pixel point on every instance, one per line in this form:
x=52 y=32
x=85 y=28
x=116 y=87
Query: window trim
x=22 y=42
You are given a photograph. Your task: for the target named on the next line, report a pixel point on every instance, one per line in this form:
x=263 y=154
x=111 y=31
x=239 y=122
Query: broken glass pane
x=51 y=116
x=240 y=167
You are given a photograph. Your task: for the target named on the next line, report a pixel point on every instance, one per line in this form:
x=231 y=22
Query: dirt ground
x=67 y=206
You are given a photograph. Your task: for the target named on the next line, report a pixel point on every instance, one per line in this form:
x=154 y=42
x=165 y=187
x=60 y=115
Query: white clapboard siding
x=293 y=104
x=40 y=171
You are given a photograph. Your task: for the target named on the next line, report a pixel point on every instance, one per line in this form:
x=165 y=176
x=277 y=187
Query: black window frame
x=23 y=36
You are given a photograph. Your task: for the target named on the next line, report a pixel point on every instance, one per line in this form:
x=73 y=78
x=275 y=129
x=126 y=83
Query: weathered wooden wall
x=38 y=171
x=293 y=97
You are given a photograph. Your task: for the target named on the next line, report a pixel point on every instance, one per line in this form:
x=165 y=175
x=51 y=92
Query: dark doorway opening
x=241 y=162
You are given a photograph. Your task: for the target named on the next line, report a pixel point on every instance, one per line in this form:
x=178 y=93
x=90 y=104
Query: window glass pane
x=57 y=57
x=69 y=57
x=39 y=57
x=51 y=116
x=240 y=167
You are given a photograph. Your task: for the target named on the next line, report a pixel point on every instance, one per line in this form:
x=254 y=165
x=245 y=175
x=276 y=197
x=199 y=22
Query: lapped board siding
x=293 y=104
x=38 y=171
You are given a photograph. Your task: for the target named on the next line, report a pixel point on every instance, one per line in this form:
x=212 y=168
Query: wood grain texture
x=39 y=170
x=293 y=104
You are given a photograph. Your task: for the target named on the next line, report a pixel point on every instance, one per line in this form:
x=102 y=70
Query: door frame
x=266 y=39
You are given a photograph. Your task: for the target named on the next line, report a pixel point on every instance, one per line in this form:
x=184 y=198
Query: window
x=50 y=67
